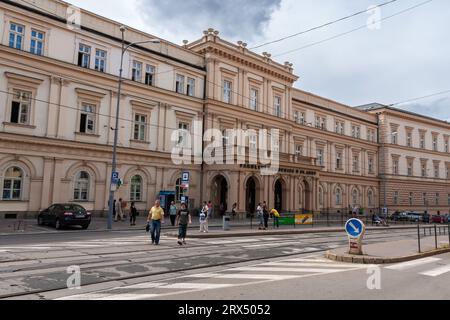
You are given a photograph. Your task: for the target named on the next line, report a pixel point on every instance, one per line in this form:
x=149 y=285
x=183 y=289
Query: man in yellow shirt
x=276 y=218
x=155 y=219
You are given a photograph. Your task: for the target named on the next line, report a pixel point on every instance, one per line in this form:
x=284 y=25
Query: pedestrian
x=204 y=218
x=266 y=216
x=173 y=213
x=210 y=210
x=114 y=210
x=119 y=212
x=124 y=209
x=234 y=210
x=276 y=218
x=155 y=219
x=133 y=214
x=183 y=220
x=260 y=215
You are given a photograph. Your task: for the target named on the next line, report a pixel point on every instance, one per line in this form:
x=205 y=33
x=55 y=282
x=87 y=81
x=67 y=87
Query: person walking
x=155 y=219
x=173 y=213
x=119 y=212
x=260 y=216
x=276 y=218
x=183 y=220
x=234 y=210
x=210 y=210
x=133 y=214
x=266 y=216
x=124 y=209
x=204 y=218
x=114 y=210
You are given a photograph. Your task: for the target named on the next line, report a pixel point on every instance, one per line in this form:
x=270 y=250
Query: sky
x=398 y=59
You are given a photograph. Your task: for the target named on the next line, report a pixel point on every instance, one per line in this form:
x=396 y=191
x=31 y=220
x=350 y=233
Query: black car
x=64 y=215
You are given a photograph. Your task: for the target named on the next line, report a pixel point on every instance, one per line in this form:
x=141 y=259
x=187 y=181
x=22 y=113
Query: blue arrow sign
x=115 y=177
x=354 y=228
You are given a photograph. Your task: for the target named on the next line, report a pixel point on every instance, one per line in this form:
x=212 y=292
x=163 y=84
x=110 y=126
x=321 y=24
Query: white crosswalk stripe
x=232 y=277
x=437 y=272
x=412 y=264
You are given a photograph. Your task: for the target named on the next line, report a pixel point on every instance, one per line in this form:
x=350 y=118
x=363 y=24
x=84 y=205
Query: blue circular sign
x=354 y=228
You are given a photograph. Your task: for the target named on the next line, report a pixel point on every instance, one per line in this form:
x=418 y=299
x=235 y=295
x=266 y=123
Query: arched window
x=338 y=196
x=180 y=192
x=370 y=198
x=355 y=197
x=321 y=196
x=13 y=184
x=136 y=188
x=81 y=186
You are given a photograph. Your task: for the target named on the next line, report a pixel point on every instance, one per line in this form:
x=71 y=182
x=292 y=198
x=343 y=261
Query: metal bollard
x=435 y=236
x=418 y=234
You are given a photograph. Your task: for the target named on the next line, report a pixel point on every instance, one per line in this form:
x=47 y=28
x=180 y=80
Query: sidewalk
x=393 y=252
x=239 y=228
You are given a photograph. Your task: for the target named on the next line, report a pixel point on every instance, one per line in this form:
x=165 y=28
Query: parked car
x=440 y=219
x=415 y=216
x=426 y=218
x=399 y=216
x=64 y=215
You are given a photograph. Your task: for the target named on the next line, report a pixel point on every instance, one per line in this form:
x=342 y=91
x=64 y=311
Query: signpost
x=355 y=229
x=185 y=180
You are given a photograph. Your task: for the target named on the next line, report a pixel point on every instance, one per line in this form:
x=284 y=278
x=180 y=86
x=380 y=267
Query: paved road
x=38 y=264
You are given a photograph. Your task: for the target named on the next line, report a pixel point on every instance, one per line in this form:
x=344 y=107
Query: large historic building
x=58 y=96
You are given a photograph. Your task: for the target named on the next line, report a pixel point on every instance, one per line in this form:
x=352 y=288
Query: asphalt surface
x=35 y=267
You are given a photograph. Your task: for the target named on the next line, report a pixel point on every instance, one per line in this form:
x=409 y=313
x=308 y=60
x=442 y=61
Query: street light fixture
x=116 y=129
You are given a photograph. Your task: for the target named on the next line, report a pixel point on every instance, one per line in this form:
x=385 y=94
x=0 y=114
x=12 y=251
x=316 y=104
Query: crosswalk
x=414 y=266
x=233 y=277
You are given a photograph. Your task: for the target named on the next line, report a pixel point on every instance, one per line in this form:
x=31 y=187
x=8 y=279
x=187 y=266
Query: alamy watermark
x=374 y=20
x=74 y=280
x=73 y=17
x=260 y=148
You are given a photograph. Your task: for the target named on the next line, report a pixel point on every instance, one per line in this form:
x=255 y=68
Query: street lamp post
x=116 y=129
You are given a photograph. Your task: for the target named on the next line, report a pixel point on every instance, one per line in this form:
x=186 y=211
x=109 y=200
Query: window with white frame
x=422 y=141
x=299 y=150
x=435 y=143
x=20 y=107
x=321 y=123
x=436 y=171
x=395 y=166
x=140 y=127
x=410 y=168
x=394 y=136
x=16 y=36
x=424 y=170
x=136 y=188
x=355 y=197
x=356 y=132
x=396 y=196
x=84 y=56
x=225 y=138
x=179 y=84
x=300 y=117
x=254 y=97
x=87 y=118
x=136 y=72
x=191 y=87
x=183 y=133
x=371 y=165
x=411 y=198
x=277 y=106
x=81 y=186
x=409 y=139
x=371 y=135
x=12 y=184
x=227 y=91
x=339 y=127
x=150 y=75
x=446 y=149
x=37 y=42
x=100 y=60
x=253 y=142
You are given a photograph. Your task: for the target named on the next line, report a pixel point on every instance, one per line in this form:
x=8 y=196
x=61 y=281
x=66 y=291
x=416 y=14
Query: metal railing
x=430 y=231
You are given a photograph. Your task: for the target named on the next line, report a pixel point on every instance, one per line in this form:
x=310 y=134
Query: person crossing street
x=155 y=219
x=183 y=220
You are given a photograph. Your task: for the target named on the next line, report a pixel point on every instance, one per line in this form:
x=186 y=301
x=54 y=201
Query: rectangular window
x=410 y=169
x=20 y=108
x=300 y=117
x=447 y=174
x=299 y=150
x=424 y=170
x=140 y=125
x=435 y=143
x=394 y=135
x=395 y=167
x=356 y=132
x=16 y=35
x=84 y=56
x=253 y=142
x=422 y=141
x=320 y=159
x=437 y=199
x=277 y=106
x=37 y=42
x=87 y=119
x=355 y=163
x=150 y=75
x=436 y=171
x=339 y=160
x=409 y=139
x=191 y=87
x=425 y=199
x=183 y=133
x=446 y=146
x=411 y=198
x=136 y=72
x=254 y=95
x=227 y=89
x=371 y=165
x=339 y=128
x=180 y=83
x=100 y=60
x=396 y=196
x=321 y=123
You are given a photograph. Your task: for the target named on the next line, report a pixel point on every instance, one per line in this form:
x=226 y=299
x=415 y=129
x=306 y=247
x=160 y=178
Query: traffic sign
x=115 y=178
x=354 y=228
x=185 y=180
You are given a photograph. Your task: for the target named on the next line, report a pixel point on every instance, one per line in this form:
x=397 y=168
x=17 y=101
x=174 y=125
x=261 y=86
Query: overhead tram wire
x=353 y=30
x=321 y=26
x=419 y=98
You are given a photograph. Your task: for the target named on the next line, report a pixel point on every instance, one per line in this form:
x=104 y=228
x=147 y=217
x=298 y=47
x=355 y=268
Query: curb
x=347 y=258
